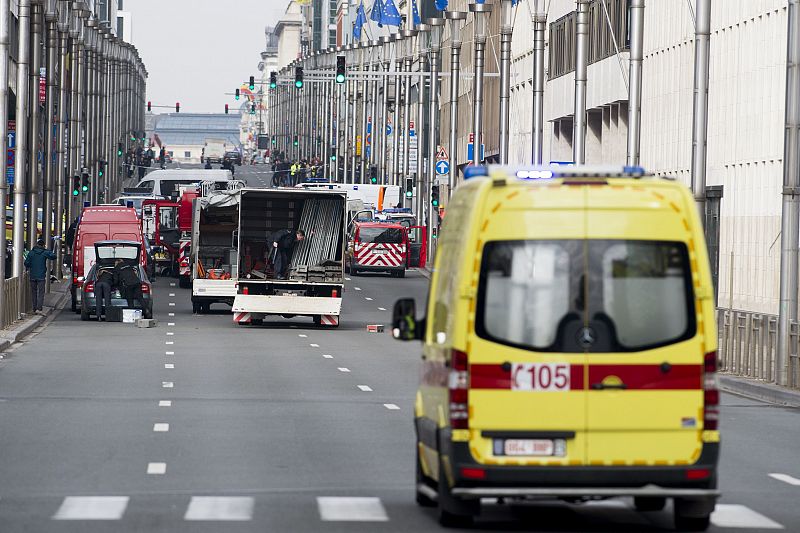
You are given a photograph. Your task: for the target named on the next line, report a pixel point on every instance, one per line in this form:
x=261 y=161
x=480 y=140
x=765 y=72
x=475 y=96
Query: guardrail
x=13 y=305
x=748 y=344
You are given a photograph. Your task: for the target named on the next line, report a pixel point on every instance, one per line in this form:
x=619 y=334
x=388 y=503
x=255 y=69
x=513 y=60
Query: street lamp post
x=506 y=29
x=423 y=48
x=456 y=19
x=581 y=67
x=436 y=29
x=5 y=10
x=481 y=15
x=20 y=174
x=51 y=18
x=409 y=37
x=34 y=174
x=397 y=39
x=537 y=130
x=635 y=81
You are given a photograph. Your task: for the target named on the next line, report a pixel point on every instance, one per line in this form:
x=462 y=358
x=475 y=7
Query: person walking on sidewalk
x=36 y=262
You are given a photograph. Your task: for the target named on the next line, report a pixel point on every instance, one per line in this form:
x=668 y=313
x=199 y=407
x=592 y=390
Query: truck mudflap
x=287 y=305
x=329 y=320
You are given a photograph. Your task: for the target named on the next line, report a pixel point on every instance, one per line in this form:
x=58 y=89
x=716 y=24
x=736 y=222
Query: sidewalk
x=53 y=302
x=760 y=390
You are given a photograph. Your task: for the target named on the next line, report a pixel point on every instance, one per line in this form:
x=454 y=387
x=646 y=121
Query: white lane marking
x=172 y=294
x=170 y=323
x=171 y=284
x=357 y=288
x=220 y=508
x=169 y=366
x=740 y=516
x=172 y=304
x=169 y=342
x=327 y=356
x=381 y=309
x=302 y=336
x=314 y=345
x=169 y=353
x=92 y=508
x=391 y=406
x=156 y=468
x=368 y=299
x=172 y=314
x=343 y=369
x=170 y=333
x=160 y=427
x=167 y=384
x=347 y=279
x=351 y=509
x=165 y=403
x=365 y=388
x=786 y=478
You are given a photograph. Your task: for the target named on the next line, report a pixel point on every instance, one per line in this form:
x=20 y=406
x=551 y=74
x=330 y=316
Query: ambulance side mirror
x=405 y=326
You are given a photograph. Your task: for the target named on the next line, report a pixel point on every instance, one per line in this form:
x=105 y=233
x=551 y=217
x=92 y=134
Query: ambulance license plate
x=541 y=447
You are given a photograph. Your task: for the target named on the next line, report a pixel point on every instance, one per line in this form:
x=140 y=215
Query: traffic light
x=120 y=150
x=298 y=77
x=177 y=107
x=341 y=69
x=253 y=109
x=296 y=141
x=409 y=187
x=149 y=106
x=226 y=109
x=252 y=83
x=84 y=182
x=435 y=196
x=274 y=140
x=237 y=94
x=76 y=185
x=333 y=157
x=273 y=79
x=100 y=170
x=373 y=174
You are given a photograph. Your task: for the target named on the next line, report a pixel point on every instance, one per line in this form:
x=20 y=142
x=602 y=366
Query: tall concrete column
x=436 y=28
x=702 y=40
x=456 y=19
x=34 y=170
x=409 y=38
x=790 y=212
x=20 y=167
x=581 y=68
x=5 y=10
x=506 y=30
x=635 y=81
x=396 y=126
x=423 y=65
x=539 y=32
x=49 y=201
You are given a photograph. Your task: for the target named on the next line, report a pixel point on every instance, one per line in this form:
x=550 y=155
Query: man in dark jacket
x=282 y=242
x=37 y=263
x=102 y=289
x=130 y=285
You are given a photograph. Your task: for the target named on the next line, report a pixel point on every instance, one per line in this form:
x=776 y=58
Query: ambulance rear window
x=585 y=295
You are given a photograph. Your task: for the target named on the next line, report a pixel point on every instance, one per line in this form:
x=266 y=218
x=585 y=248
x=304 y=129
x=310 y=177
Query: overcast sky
x=195 y=51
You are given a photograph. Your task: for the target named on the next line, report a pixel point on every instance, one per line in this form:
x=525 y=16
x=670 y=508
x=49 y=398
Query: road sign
x=471 y=152
x=389 y=129
x=12 y=140
x=441 y=154
x=442 y=168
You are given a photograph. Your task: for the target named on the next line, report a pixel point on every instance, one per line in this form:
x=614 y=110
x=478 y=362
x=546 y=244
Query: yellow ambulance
x=569 y=345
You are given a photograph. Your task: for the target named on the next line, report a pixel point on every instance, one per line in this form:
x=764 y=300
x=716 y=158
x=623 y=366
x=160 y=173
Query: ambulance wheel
x=399 y=274
x=454 y=512
x=196 y=308
x=692 y=515
x=422 y=499
x=644 y=504
x=353 y=269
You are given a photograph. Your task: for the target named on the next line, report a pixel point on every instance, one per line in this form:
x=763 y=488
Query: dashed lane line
x=169 y=366
x=170 y=333
x=171 y=314
x=169 y=353
x=343 y=369
x=314 y=345
x=351 y=509
x=381 y=309
x=202 y=508
x=365 y=388
x=170 y=323
x=160 y=427
x=92 y=508
x=157 y=468
x=391 y=406
x=357 y=288
x=786 y=478
x=172 y=294
x=302 y=336
x=172 y=304
x=167 y=384
x=165 y=403
x=169 y=343
x=327 y=356
x=367 y=298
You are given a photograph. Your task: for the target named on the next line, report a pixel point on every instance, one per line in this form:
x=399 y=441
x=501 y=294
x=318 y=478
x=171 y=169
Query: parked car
x=117 y=254
x=235 y=156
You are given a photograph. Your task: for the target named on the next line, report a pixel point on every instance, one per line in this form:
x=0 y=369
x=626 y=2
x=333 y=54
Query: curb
x=424 y=271
x=27 y=325
x=760 y=390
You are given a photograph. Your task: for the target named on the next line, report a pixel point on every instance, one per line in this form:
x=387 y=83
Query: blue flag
x=361 y=18
x=377 y=12
x=441 y=5
x=391 y=13
x=417 y=20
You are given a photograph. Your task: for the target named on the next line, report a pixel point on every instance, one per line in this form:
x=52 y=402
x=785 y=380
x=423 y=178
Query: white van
x=167 y=183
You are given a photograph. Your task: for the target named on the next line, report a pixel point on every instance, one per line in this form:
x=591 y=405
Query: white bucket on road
x=129 y=316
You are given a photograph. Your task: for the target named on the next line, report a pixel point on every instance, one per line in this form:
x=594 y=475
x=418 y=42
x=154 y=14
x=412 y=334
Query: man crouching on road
x=36 y=262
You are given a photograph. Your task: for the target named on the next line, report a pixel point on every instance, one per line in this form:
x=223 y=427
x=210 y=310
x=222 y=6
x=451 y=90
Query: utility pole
x=409 y=37
x=481 y=15
x=396 y=126
x=539 y=31
x=20 y=173
x=506 y=29
x=581 y=67
x=436 y=30
x=34 y=177
x=456 y=19
x=635 y=81
x=790 y=210
x=702 y=37
x=420 y=182
x=5 y=10
x=51 y=18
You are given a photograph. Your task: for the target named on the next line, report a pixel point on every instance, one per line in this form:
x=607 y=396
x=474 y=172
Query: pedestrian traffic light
x=435 y=196
x=341 y=69
x=252 y=83
x=298 y=77
x=373 y=174
x=274 y=140
x=296 y=141
x=409 y=187
x=226 y=109
x=253 y=109
x=237 y=94
x=333 y=157
x=149 y=106
x=120 y=150
x=177 y=107
x=76 y=185
x=273 y=79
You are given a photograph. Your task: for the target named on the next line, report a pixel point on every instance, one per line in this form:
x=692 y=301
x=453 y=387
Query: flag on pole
x=417 y=19
x=441 y=5
x=361 y=18
x=385 y=12
x=377 y=12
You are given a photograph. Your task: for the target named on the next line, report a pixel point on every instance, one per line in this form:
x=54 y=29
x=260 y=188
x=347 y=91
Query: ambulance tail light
x=334 y=293
x=458 y=384
x=710 y=392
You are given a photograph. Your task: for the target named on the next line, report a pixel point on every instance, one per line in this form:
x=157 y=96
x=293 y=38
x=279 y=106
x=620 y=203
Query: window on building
x=187 y=155
x=601 y=36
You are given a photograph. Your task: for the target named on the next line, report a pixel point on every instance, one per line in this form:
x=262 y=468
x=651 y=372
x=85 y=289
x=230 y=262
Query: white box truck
x=314 y=282
x=214 y=245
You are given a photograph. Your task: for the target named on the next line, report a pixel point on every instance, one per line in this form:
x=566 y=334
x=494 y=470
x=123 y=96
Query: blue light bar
x=472 y=171
x=535 y=174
